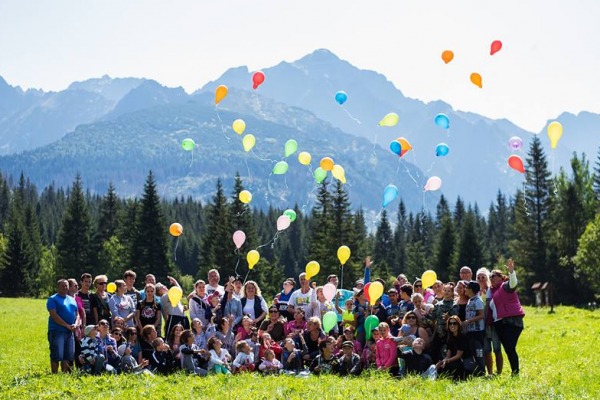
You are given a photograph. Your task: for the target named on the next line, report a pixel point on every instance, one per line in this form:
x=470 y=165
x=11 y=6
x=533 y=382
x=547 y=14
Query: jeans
x=62 y=346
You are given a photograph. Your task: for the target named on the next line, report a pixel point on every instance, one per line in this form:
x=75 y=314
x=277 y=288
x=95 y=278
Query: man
x=302 y=297
x=392 y=312
x=349 y=361
x=213 y=283
x=62 y=322
x=466 y=274
x=129 y=278
x=84 y=295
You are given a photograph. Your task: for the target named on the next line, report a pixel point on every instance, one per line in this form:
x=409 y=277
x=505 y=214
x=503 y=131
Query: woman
x=231 y=305
x=99 y=300
x=312 y=336
x=108 y=346
x=198 y=302
x=273 y=325
x=411 y=319
x=149 y=334
x=131 y=336
x=122 y=305
x=252 y=304
x=491 y=340
x=507 y=312
x=174 y=341
x=461 y=299
x=457 y=350
x=173 y=315
x=148 y=310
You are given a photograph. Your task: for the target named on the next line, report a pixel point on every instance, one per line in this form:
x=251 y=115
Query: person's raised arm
x=368 y=264
x=512 y=275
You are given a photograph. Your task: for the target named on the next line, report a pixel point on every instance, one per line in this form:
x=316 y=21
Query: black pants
x=509 y=336
x=476 y=346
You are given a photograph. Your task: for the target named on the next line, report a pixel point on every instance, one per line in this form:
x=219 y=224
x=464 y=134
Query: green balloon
x=290 y=213
x=371 y=322
x=280 y=168
x=320 y=174
x=188 y=144
x=290 y=147
x=329 y=321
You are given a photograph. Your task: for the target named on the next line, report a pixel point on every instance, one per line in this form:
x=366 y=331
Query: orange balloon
x=220 y=93
x=405 y=145
x=175 y=229
x=326 y=163
x=476 y=79
x=447 y=56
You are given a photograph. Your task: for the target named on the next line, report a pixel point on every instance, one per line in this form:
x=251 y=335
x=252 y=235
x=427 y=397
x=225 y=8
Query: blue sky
x=550 y=61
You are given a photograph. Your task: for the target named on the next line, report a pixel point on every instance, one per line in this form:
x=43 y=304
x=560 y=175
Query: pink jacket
x=386 y=355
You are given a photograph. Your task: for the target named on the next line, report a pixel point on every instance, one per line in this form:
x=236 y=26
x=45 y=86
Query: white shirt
x=211 y=289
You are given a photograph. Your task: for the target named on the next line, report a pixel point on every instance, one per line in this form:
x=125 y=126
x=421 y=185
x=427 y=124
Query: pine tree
x=445 y=241
x=14 y=275
x=321 y=231
x=597 y=177
x=383 y=254
x=400 y=240
x=469 y=251
x=498 y=225
x=107 y=222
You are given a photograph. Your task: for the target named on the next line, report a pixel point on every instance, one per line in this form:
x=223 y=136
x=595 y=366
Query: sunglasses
x=411 y=317
x=103 y=323
x=453 y=323
x=418 y=286
x=273 y=311
x=101 y=283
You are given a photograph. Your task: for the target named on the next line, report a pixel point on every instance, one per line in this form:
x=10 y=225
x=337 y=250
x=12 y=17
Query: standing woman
x=461 y=299
x=507 y=312
x=149 y=309
x=121 y=305
x=491 y=341
x=99 y=300
x=252 y=304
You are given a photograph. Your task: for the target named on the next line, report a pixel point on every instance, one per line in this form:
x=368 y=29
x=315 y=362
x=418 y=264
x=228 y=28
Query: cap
x=88 y=329
x=360 y=282
x=405 y=329
x=474 y=286
x=348 y=343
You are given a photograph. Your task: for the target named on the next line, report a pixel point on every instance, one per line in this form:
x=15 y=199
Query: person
x=99 y=300
x=406 y=303
x=219 y=357
x=400 y=281
x=291 y=357
x=117 y=334
x=311 y=337
x=325 y=362
x=62 y=322
x=213 y=278
x=348 y=336
x=199 y=333
x=149 y=309
x=73 y=288
x=84 y=295
x=173 y=315
x=441 y=311
x=386 y=356
x=422 y=308
x=297 y=325
x=411 y=319
x=244 y=360
x=198 y=302
x=273 y=325
x=457 y=350
x=129 y=278
x=438 y=291
x=348 y=362
x=122 y=305
x=461 y=299
x=245 y=329
x=150 y=278
x=301 y=298
x=282 y=298
x=161 y=361
x=475 y=326
x=319 y=306
x=466 y=274
x=190 y=354
x=346 y=312
x=231 y=304
x=149 y=335
x=174 y=342
x=360 y=311
x=93 y=359
x=491 y=340
x=507 y=312
x=253 y=304
x=108 y=345
x=270 y=364
x=267 y=343
x=129 y=363
x=418 y=362
x=131 y=335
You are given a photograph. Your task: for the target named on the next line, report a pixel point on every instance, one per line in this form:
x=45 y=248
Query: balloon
x=375 y=292
x=428 y=278
x=304 y=158
x=516 y=163
x=320 y=174
x=447 y=56
x=220 y=93
x=239 y=237
x=339 y=173
x=239 y=126
x=175 y=229
x=252 y=257
x=390 y=119
x=371 y=322
x=280 y=168
x=290 y=213
x=495 y=47
x=555 y=131
x=404 y=145
x=442 y=121
x=329 y=291
x=329 y=321
x=389 y=194
x=343 y=254
x=341 y=97
x=396 y=147
x=111 y=287
x=515 y=143
x=248 y=142
x=290 y=147
x=312 y=269
x=326 y=163
x=442 y=150
x=175 y=294
x=433 y=183
x=245 y=196
x=366 y=291
x=283 y=222
x=257 y=79
x=188 y=144
x=476 y=79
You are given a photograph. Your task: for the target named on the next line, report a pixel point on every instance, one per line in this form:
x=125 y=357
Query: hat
x=215 y=294
x=121 y=349
x=88 y=329
x=474 y=286
x=405 y=329
x=360 y=282
x=348 y=343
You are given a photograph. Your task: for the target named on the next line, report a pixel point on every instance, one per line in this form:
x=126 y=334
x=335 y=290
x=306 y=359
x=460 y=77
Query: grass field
x=559 y=360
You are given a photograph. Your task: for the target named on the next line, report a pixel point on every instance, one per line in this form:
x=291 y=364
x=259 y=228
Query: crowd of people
x=452 y=329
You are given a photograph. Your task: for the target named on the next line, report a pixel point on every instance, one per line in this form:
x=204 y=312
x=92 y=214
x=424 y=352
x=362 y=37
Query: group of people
x=450 y=329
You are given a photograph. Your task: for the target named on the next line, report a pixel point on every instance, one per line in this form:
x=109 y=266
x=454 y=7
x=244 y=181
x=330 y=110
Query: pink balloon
x=329 y=291
x=239 y=237
x=433 y=183
x=283 y=222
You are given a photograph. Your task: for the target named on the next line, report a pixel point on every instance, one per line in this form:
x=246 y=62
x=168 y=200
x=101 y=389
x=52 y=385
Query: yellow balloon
x=428 y=278
x=248 y=142
x=252 y=257
x=175 y=294
x=375 y=292
x=245 y=196
x=312 y=269
x=555 y=131
x=343 y=254
x=339 y=173
x=175 y=229
x=239 y=126
x=220 y=93
x=111 y=287
x=304 y=158
x=390 y=119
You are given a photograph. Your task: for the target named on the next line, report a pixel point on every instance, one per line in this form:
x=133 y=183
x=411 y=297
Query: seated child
x=128 y=362
x=291 y=357
x=93 y=359
x=219 y=357
x=162 y=360
x=190 y=353
x=244 y=361
x=270 y=364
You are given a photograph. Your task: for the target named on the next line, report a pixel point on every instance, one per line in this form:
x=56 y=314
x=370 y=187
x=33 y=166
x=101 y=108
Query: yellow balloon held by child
x=252 y=257
x=375 y=292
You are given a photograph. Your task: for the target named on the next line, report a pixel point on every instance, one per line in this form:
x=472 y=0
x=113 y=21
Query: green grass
x=559 y=360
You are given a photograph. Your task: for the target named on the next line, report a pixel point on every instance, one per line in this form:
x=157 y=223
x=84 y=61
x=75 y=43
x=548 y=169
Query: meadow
x=558 y=352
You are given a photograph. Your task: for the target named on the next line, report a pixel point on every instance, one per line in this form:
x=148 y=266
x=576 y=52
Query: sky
x=549 y=63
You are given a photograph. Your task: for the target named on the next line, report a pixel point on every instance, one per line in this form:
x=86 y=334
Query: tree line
x=551 y=227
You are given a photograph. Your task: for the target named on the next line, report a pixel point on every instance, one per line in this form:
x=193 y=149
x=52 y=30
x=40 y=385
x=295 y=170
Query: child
x=325 y=362
x=270 y=365
x=162 y=360
x=349 y=336
x=291 y=357
x=199 y=334
x=266 y=343
x=219 y=357
x=347 y=315
x=93 y=359
x=128 y=362
x=190 y=353
x=387 y=358
x=253 y=342
x=297 y=325
x=244 y=361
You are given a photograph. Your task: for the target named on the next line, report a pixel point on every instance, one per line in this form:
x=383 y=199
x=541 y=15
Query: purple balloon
x=515 y=143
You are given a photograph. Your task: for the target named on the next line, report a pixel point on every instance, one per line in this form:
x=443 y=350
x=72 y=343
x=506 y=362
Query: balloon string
x=554 y=172
x=430 y=167
x=262 y=159
x=410 y=175
x=221 y=122
x=249 y=177
x=175 y=250
x=342 y=276
x=246 y=277
x=190 y=166
x=352 y=117
x=237 y=263
x=525 y=201
x=376 y=218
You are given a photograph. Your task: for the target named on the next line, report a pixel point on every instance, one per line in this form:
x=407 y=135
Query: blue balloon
x=389 y=194
x=395 y=147
x=442 y=121
x=442 y=150
x=341 y=97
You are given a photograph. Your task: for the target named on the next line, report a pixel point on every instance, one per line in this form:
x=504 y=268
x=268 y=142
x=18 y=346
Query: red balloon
x=495 y=47
x=257 y=79
x=516 y=163
x=366 y=292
